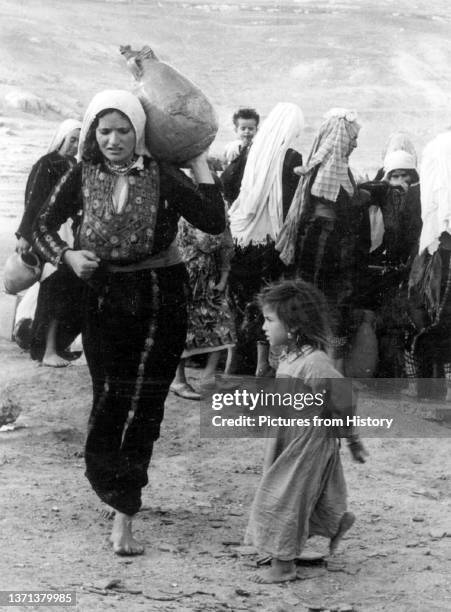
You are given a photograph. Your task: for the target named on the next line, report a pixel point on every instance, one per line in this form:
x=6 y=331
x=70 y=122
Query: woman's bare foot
x=81 y=361
x=51 y=359
x=347 y=521
x=410 y=390
x=122 y=537
x=280 y=571
x=54 y=361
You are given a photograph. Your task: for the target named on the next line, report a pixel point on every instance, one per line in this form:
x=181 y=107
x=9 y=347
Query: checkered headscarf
x=331 y=151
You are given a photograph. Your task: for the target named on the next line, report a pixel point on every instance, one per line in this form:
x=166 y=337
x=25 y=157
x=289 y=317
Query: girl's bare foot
x=280 y=571
x=54 y=361
x=347 y=521
x=122 y=537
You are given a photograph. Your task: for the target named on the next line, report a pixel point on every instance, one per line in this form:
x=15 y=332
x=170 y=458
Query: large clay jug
x=181 y=122
x=363 y=356
x=20 y=272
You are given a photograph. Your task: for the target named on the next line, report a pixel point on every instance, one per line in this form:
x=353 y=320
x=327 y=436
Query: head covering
x=65 y=128
x=398 y=160
x=330 y=152
x=257 y=212
x=435 y=187
x=400 y=141
x=120 y=100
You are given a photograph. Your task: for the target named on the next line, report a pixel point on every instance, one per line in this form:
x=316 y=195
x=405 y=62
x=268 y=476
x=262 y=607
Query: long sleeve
x=201 y=205
x=232 y=176
x=289 y=179
x=65 y=201
x=39 y=185
x=378 y=191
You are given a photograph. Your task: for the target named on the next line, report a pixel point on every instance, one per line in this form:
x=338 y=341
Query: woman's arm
x=39 y=185
x=64 y=201
x=202 y=204
x=377 y=190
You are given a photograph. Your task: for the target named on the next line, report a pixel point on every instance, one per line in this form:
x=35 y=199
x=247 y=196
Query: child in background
x=246 y=122
x=302 y=492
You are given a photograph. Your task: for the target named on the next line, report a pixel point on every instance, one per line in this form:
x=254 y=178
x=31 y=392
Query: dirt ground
x=391 y=61
x=396 y=558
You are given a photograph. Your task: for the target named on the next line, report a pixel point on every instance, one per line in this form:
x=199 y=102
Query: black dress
x=383 y=288
x=253 y=266
x=60 y=293
x=134 y=320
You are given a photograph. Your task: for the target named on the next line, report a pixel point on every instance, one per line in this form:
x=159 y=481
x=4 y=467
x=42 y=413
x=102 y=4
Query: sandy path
x=396 y=558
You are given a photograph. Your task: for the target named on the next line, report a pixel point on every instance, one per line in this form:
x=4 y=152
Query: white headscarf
x=65 y=128
x=120 y=100
x=435 y=187
x=257 y=212
x=400 y=141
x=398 y=160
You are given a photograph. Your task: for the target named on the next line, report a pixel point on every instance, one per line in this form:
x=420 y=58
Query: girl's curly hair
x=302 y=308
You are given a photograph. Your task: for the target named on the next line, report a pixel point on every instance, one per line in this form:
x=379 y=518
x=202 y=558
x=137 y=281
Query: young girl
x=302 y=492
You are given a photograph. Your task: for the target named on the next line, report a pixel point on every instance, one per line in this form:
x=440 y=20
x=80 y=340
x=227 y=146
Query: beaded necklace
x=120 y=169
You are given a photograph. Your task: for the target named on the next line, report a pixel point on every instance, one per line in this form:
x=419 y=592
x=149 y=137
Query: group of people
x=268 y=260
x=355 y=239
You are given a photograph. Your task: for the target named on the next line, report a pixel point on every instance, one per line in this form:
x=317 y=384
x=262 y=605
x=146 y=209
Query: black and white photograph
x=225 y=305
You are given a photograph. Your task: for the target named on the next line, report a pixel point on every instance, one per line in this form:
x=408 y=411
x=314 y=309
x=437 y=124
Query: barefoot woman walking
x=136 y=286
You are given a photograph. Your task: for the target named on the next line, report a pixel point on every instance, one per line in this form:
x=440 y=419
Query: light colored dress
x=302 y=492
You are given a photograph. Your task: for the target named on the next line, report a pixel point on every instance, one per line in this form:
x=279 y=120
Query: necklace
x=120 y=168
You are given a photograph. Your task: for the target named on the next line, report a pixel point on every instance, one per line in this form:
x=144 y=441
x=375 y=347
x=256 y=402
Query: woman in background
x=256 y=218
x=324 y=239
x=56 y=321
x=211 y=327
x=430 y=276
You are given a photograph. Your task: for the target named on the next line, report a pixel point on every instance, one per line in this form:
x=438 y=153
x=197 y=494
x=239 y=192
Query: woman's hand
x=399 y=182
x=300 y=170
x=83 y=263
x=200 y=168
x=22 y=246
x=220 y=287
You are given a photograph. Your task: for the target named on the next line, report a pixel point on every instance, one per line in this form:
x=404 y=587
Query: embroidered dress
x=211 y=326
x=302 y=492
x=134 y=325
